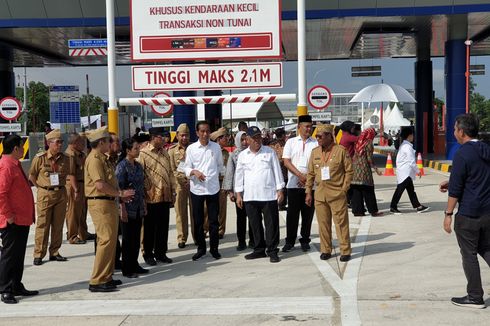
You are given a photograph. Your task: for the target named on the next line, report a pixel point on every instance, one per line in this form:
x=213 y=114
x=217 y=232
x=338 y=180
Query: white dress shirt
x=258 y=175
x=299 y=153
x=406 y=166
x=209 y=161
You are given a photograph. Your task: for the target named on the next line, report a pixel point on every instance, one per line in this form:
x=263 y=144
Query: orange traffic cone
x=420 y=164
x=389 y=172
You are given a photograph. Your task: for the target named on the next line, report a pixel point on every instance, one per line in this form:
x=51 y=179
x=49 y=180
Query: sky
x=335 y=74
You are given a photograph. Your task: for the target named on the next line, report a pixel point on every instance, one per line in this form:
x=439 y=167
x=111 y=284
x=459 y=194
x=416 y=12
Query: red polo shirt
x=16 y=197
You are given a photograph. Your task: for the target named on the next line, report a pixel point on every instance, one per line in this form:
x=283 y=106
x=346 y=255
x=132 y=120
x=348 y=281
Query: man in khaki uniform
x=101 y=190
x=49 y=171
x=112 y=158
x=182 y=200
x=330 y=169
x=159 y=194
x=220 y=137
x=76 y=221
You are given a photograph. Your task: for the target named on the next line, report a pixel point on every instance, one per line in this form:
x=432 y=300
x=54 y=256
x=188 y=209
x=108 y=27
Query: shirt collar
x=10 y=160
x=307 y=139
x=49 y=155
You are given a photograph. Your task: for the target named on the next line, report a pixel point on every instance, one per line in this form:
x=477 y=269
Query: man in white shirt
x=296 y=154
x=258 y=185
x=203 y=163
x=406 y=169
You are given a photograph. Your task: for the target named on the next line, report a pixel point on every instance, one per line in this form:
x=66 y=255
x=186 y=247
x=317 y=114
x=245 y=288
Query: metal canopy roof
x=38 y=31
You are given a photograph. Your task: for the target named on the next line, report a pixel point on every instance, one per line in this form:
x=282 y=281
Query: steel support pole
x=112 y=111
x=302 y=107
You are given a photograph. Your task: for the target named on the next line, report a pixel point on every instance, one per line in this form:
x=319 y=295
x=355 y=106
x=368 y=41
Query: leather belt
x=102 y=198
x=80 y=181
x=52 y=188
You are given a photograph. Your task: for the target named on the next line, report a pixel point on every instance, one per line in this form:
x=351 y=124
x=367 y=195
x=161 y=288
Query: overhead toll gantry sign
x=205 y=29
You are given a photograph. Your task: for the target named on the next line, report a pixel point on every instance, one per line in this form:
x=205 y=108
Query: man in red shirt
x=16 y=216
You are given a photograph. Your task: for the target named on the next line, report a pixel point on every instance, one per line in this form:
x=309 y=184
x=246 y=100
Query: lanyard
x=329 y=155
x=54 y=166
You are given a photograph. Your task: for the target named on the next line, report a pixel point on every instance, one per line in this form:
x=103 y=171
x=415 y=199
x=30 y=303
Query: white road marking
x=173 y=307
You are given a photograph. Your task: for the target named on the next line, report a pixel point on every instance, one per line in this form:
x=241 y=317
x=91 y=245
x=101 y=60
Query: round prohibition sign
x=162 y=110
x=10 y=108
x=319 y=97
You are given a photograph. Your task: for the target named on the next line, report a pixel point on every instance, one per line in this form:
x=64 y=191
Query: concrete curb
x=436 y=165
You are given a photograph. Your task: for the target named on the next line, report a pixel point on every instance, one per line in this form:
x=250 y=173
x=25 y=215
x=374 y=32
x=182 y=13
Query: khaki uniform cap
x=183 y=128
x=321 y=128
x=218 y=133
x=54 y=134
x=97 y=134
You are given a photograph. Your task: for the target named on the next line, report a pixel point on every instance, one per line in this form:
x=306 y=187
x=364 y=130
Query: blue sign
x=87 y=43
x=64 y=104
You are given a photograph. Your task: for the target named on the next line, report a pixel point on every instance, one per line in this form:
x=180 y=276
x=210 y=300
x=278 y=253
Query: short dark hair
x=469 y=123
x=10 y=142
x=242 y=123
x=73 y=138
x=405 y=132
x=201 y=123
x=96 y=143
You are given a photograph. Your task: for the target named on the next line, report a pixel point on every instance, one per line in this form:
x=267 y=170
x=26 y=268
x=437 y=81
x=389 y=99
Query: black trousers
x=155 y=234
x=241 y=225
x=131 y=237
x=270 y=210
x=473 y=235
x=296 y=206
x=400 y=188
x=361 y=194
x=14 y=241
x=212 y=204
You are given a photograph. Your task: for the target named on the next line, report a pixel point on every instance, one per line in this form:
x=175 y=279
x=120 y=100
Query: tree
x=37 y=104
x=480 y=106
x=92 y=104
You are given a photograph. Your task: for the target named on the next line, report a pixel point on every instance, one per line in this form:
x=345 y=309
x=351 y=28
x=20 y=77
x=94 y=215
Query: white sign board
x=10 y=127
x=10 y=108
x=164 y=122
x=162 y=109
x=319 y=97
x=218 y=76
x=205 y=29
x=321 y=116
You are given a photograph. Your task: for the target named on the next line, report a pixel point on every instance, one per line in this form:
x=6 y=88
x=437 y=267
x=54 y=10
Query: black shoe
x=255 y=255
x=105 y=287
x=115 y=282
x=141 y=270
x=305 y=246
x=215 y=254
x=221 y=236
x=131 y=275
x=198 y=255
x=181 y=245
x=469 y=302
x=422 y=209
x=287 y=247
x=325 y=256
x=273 y=257
x=9 y=298
x=150 y=261
x=38 y=261
x=164 y=259
x=58 y=257
x=241 y=247
x=78 y=241
x=24 y=292
x=118 y=265
x=395 y=211
x=344 y=258
x=91 y=237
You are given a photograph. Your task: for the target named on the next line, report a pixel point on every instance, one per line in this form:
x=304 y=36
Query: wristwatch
x=448 y=214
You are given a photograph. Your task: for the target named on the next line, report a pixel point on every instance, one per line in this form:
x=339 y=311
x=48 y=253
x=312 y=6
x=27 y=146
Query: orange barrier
x=420 y=164
x=389 y=172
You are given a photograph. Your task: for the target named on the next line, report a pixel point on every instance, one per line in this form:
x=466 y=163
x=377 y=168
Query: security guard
x=182 y=200
x=220 y=137
x=76 y=221
x=330 y=168
x=49 y=171
x=102 y=191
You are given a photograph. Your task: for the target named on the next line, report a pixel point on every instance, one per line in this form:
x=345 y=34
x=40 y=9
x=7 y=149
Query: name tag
x=54 y=179
x=325 y=173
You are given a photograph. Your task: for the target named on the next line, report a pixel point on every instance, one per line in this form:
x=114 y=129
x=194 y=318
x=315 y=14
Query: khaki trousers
x=336 y=208
x=182 y=201
x=106 y=220
x=221 y=216
x=51 y=210
x=76 y=217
